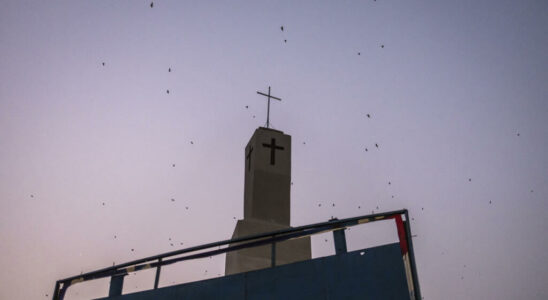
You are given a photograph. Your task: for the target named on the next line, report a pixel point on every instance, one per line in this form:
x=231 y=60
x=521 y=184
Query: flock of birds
x=376 y=145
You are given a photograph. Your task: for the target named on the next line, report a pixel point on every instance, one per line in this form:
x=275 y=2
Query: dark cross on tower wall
x=273 y=148
x=268 y=106
x=248 y=156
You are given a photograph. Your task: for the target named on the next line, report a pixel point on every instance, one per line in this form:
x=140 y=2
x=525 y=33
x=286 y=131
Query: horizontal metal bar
x=269 y=96
x=323 y=225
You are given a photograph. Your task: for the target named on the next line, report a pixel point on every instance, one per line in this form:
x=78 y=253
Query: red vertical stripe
x=401 y=234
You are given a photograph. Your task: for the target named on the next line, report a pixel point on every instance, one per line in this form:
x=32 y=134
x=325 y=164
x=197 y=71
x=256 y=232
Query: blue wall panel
x=374 y=273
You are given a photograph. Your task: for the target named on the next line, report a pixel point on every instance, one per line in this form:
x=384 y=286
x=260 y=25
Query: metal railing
x=117 y=272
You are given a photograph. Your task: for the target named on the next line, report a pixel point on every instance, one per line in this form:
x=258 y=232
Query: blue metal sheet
x=373 y=273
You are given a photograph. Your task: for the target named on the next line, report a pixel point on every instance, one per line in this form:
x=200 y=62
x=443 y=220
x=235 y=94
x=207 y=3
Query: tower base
x=256 y=258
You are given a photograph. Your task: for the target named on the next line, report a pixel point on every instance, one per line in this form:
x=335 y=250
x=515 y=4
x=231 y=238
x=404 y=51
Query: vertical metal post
x=56 y=291
x=116 y=285
x=340 y=241
x=412 y=256
x=268 y=110
x=273 y=254
x=158 y=269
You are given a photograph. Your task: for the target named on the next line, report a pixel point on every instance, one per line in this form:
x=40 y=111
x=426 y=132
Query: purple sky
x=448 y=94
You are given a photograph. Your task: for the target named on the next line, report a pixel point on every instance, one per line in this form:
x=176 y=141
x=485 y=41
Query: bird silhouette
x=389 y=183
x=103 y=64
x=169 y=69
x=359 y=53
x=172 y=200
x=366 y=150
x=246 y=106
x=282 y=28
x=151 y=4
x=173 y=165
x=368 y=115
x=382 y=46
x=518 y=133
x=470 y=179
x=377 y=145
x=191 y=142
x=167 y=91
x=285 y=41
x=32 y=196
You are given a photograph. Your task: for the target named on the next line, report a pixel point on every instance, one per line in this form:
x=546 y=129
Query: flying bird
x=172 y=200
x=167 y=91
x=282 y=28
x=247 y=106
x=103 y=64
x=173 y=165
x=377 y=145
x=470 y=179
x=151 y=4
x=368 y=115
x=169 y=69
x=285 y=41
x=191 y=142
x=366 y=150
x=359 y=53
x=382 y=46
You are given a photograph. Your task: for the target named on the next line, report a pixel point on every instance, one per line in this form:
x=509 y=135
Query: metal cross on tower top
x=268 y=107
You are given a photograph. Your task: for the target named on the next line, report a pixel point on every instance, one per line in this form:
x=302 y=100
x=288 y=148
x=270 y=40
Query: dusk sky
x=457 y=93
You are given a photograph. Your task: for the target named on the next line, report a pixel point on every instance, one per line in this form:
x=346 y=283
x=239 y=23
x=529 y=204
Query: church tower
x=267 y=205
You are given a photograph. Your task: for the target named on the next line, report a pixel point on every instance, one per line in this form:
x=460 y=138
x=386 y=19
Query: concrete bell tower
x=266 y=203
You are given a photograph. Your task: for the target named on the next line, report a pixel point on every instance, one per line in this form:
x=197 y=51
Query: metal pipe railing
x=235 y=244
